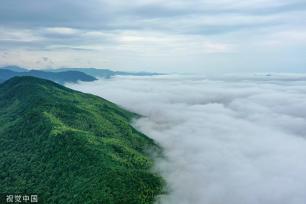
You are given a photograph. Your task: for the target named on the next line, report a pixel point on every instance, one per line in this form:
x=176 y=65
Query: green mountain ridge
x=71 y=147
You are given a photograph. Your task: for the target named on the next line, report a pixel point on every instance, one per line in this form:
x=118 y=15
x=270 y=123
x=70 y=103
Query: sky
x=195 y=36
x=235 y=139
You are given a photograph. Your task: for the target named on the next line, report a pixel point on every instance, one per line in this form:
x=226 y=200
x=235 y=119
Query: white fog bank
x=227 y=141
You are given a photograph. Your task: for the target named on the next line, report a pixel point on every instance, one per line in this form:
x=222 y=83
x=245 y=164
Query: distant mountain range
x=59 y=77
x=104 y=73
x=71 y=147
x=94 y=72
x=15 y=68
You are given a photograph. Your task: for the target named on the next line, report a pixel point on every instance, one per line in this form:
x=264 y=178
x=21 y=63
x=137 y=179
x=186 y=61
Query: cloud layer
x=235 y=139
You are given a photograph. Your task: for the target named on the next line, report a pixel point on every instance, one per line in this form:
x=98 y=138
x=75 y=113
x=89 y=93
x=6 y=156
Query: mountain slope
x=60 y=77
x=71 y=147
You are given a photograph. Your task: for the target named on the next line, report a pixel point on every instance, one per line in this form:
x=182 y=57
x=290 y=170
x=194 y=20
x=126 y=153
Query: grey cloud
x=105 y=15
x=35 y=13
x=290 y=7
x=51 y=38
x=179 y=17
x=236 y=139
x=224 y=29
x=157 y=10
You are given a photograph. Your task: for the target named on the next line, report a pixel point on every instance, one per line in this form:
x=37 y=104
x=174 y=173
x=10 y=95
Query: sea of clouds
x=229 y=140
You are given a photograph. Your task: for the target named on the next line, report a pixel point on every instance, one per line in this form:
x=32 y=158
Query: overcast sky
x=201 y=36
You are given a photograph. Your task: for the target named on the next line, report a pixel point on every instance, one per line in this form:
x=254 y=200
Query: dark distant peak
x=34 y=70
x=81 y=68
x=14 y=68
x=73 y=72
x=2 y=70
x=75 y=76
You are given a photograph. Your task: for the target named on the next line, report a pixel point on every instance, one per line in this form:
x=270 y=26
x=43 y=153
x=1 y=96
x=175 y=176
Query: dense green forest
x=71 y=147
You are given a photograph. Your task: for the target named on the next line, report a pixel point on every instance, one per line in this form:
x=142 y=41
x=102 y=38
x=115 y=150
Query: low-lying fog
x=231 y=140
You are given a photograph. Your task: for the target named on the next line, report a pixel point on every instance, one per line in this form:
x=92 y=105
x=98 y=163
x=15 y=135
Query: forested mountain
x=60 y=77
x=71 y=147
